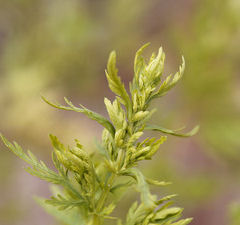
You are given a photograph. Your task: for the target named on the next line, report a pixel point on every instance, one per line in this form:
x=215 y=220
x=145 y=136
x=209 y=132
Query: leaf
x=101 y=149
x=115 y=83
x=146 y=197
x=131 y=212
x=116 y=113
x=172 y=132
x=133 y=138
x=170 y=82
x=38 y=169
x=166 y=214
x=90 y=114
x=183 y=222
x=140 y=115
x=165 y=198
x=57 y=144
x=108 y=209
x=63 y=203
x=124 y=185
x=139 y=63
x=68 y=217
x=155 y=68
x=157 y=183
x=139 y=214
x=155 y=146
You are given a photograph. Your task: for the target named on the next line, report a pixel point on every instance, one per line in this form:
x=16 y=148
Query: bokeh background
x=60 y=48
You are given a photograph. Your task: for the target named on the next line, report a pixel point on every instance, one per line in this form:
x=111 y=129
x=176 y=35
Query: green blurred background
x=60 y=48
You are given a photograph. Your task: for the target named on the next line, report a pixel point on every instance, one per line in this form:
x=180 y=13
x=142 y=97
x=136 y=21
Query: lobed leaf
x=92 y=115
x=139 y=63
x=70 y=217
x=64 y=203
x=115 y=83
x=170 y=82
x=38 y=169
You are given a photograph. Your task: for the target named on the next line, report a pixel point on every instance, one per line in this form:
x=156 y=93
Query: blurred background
x=60 y=48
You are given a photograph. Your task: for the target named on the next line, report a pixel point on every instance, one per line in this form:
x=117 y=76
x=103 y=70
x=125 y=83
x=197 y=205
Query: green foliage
x=92 y=115
x=234 y=214
x=89 y=187
x=212 y=40
x=70 y=217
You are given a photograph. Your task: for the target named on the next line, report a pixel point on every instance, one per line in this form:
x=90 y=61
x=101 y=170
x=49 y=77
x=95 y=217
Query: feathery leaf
x=92 y=115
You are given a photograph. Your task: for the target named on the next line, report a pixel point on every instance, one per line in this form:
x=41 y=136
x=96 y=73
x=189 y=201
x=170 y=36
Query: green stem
x=105 y=193
x=96 y=220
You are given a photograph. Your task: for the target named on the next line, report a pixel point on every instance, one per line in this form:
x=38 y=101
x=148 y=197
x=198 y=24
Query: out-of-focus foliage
x=58 y=47
x=211 y=45
x=234 y=214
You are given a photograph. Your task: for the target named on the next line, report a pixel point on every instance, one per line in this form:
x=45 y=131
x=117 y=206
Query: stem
x=105 y=192
x=96 y=220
